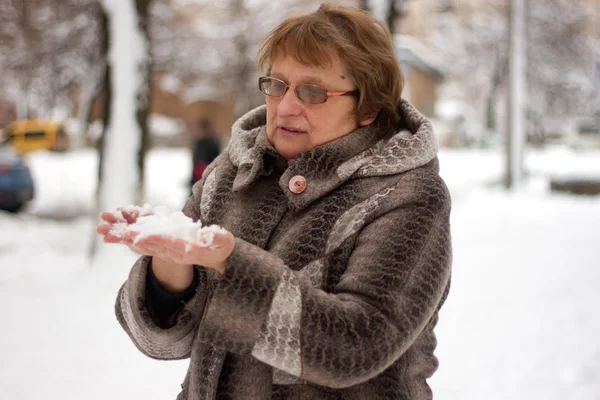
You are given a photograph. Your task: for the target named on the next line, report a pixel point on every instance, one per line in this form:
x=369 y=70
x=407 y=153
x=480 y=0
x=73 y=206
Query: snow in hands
x=158 y=220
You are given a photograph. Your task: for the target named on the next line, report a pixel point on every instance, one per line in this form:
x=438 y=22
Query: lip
x=288 y=130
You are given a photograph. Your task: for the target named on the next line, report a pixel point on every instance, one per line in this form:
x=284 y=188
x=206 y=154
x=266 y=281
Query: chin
x=286 y=153
x=285 y=148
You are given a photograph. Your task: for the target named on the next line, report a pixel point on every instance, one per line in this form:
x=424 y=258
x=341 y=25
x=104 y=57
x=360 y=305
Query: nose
x=289 y=104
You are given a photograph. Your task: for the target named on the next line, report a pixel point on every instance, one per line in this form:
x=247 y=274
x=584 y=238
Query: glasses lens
x=272 y=87
x=311 y=94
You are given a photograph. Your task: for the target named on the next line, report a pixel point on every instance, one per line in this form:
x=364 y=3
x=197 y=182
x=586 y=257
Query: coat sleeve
x=136 y=315
x=393 y=285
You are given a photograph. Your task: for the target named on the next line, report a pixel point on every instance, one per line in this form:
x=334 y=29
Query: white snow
x=161 y=125
x=160 y=221
x=521 y=321
x=146 y=209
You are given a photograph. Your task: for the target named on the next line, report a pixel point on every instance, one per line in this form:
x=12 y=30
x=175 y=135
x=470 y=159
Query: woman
x=335 y=259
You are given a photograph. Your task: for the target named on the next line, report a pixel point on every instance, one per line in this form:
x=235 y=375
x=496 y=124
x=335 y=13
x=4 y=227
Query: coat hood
x=365 y=152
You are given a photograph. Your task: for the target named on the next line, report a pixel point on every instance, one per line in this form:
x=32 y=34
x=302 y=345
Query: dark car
x=16 y=183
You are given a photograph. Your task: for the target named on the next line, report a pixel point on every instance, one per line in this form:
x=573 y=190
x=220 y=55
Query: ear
x=368 y=119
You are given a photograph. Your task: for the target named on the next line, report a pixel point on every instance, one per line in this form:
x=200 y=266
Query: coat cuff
x=242 y=299
x=139 y=319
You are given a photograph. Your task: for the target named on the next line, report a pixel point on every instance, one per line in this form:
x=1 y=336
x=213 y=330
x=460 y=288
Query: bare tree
x=559 y=58
x=393 y=14
x=244 y=63
x=561 y=61
x=90 y=67
x=386 y=10
x=43 y=43
x=207 y=48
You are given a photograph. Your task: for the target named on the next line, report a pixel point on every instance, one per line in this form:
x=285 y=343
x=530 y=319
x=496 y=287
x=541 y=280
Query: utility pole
x=517 y=91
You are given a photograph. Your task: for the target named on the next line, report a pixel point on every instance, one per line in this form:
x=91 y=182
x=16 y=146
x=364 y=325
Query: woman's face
x=294 y=127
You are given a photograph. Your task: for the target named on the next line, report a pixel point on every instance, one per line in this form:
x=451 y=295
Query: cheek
x=272 y=104
x=271 y=114
x=347 y=121
x=333 y=122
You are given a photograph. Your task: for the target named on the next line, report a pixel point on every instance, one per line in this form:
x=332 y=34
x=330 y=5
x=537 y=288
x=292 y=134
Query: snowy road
x=521 y=322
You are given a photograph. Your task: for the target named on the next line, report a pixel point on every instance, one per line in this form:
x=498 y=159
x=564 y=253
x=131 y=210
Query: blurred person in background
x=335 y=256
x=205 y=148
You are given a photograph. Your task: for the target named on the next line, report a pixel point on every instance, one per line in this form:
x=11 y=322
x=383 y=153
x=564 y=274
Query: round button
x=298 y=184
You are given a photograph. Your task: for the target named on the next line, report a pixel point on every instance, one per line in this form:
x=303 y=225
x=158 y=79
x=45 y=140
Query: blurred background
x=101 y=104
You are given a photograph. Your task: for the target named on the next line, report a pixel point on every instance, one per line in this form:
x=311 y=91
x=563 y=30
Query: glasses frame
x=295 y=87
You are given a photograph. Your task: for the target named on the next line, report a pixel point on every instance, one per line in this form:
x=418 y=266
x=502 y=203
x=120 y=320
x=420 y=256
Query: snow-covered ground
x=521 y=322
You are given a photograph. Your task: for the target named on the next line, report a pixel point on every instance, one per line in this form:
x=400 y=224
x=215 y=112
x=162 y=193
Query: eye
x=276 y=87
x=311 y=94
x=272 y=87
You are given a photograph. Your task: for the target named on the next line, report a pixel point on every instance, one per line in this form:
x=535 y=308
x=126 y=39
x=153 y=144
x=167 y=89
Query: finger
x=130 y=217
x=207 y=239
x=108 y=238
x=217 y=239
x=130 y=236
x=103 y=229
x=109 y=217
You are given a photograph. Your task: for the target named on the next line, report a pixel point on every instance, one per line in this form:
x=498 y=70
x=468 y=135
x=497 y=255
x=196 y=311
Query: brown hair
x=363 y=44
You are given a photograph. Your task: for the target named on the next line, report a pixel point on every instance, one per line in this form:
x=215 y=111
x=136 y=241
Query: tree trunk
x=106 y=103
x=89 y=92
x=106 y=93
x=144 y=96
x=22 y=109
x=491 y=103
x=97 y=82
x=392 y=15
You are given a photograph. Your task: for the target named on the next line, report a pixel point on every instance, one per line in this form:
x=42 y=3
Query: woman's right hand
x=174 y=277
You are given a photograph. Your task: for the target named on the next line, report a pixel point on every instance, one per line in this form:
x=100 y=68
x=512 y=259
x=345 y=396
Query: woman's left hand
x=182 y=251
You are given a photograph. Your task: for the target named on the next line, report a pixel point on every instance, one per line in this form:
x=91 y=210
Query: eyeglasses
x=310 y=94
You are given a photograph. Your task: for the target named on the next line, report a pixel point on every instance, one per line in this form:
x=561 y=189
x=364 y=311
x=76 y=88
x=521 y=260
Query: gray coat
x=330 y=293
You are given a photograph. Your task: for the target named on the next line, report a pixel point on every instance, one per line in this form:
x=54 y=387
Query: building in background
x=422 y=73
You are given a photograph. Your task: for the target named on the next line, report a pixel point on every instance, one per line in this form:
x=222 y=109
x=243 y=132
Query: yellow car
x=36 y=134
